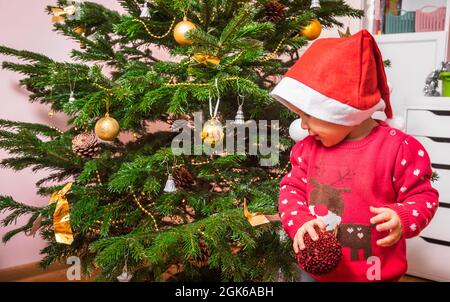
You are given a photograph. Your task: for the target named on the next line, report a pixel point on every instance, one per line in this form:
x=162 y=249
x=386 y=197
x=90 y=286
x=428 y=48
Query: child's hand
x=307 y=227
x=387 y=220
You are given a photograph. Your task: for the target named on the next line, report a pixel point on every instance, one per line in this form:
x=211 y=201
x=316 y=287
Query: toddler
x=353 y=175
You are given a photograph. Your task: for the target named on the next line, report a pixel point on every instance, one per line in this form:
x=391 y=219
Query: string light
x=145 y=211
x=153 y=35
x=274 y=53
x=102 y=87
x=99 y=180
x=199 y=84
x=57 y=129
x=235 y=59
x=113 y=222
x=194 y=163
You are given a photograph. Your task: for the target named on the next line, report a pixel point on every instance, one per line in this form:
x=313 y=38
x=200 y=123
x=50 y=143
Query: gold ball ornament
x=181 y=29
x=312 y=30
x=212 y=132
x=107 y=128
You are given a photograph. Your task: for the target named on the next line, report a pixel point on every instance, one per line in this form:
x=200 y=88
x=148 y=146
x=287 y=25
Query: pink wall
x=25 y=25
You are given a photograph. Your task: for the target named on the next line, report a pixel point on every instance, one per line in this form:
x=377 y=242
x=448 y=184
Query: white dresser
x=428 y=120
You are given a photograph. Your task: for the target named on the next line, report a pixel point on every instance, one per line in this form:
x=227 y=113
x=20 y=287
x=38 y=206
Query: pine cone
x=183 y=178
x=202 y=259
x=85 y=144
x=274 y=11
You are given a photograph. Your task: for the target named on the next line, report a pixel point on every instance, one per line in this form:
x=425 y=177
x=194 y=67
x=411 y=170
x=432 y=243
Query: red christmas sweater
x=387 y=168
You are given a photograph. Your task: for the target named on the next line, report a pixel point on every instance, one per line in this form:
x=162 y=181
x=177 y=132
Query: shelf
x=428 y=102
x=375 y=15
x=413 y=35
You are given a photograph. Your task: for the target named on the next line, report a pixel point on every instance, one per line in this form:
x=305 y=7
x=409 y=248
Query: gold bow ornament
x=71 y=12
x=61 y=216
x=256 y=218
x=345 y=34
x=205 y=59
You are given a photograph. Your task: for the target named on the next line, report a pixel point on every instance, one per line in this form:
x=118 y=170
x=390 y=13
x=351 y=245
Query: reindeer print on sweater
x=327 y=203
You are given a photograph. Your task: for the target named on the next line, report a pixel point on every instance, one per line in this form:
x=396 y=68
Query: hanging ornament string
x=168 y=169
x=107 y=105
x=239 y=119
x=50 y=87
x=240 y=97
x=125 y=276
x=72 y=88
x=216 y=108
x=71 y=83
x=153 y=35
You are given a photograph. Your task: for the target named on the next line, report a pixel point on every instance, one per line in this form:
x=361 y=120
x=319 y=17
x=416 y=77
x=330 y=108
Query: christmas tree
x=140 y=208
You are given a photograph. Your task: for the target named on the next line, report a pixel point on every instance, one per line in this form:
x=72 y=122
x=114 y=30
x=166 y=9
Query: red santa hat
x=339 y=80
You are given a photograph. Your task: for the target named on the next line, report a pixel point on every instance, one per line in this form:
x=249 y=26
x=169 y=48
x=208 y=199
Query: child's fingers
x=301 y=243
x=312 y=232
x=320 y=224
x=380 y=218
x=298 y=241
x=386 y=241
x=389 y=225
x=295 y=245
x=389 y=240
x=375 y=210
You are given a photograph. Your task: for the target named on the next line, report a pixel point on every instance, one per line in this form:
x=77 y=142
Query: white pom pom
x=396 y=122
x=296 y=132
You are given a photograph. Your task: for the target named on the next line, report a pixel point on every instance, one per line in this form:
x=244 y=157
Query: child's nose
x=304 y=125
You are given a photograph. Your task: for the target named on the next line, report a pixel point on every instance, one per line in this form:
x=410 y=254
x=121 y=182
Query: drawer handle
x=439 y=139
x=436 y=241
x=444 y=205
x=440 y=112
x=440 y=166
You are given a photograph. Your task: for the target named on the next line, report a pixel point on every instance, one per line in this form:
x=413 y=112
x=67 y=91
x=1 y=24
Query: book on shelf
x=382 y=8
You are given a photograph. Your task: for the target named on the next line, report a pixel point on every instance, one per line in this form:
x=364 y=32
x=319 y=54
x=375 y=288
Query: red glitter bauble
x=322 y=256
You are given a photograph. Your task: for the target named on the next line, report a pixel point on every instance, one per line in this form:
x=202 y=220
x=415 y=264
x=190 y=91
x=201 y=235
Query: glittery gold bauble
x=107 y=128
x=312 y=30
x=181 y=29
x=212 y=132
